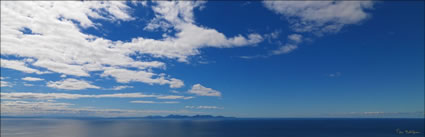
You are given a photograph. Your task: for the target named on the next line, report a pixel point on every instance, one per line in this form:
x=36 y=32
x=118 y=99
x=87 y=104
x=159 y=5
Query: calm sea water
x=209 y=128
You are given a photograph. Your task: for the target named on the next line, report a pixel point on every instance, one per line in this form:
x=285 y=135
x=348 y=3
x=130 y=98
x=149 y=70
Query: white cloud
x=200 y=90
x=203 y=107
x=75 y=70
x=136 y=2
x=295 y=38
x=154 y=102
x=190 y=97
x=174 y=97
x=380 y=114
x=126 y=76
x=30 y=108
x=40 y=96
x=178 y=15
x=5 y=84
x=175 y=91
x=120 y=87
x=29 y=60
x=59 y=45
x=191 y=107
x=16 y=107
x=50 y=96
x=28 y=85
x=291 y=45
x=123 y=95
x=293 y=41
x=317 y=17
x=285 y=49
x=32 y=79
x=19 y=65
x=321 y=16
x=273 y=35
x=336 y=74
x=71 y=84
x=56 y=42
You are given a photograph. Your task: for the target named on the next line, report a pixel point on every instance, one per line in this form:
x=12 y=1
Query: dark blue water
x=209 y=128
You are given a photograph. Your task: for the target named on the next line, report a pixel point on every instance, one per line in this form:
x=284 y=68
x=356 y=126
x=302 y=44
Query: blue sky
x=243 y=59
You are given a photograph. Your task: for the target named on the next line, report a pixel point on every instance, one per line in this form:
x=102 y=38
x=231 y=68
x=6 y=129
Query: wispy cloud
x=28 y=85
x=5 y=84
x=120 y=87
x=380 y=114
x=28 y=108
x=174 y=91
x=154 y=102
x=293 y=41
x=314 y=17
x=174 y=97
x=336 y=74
x=50 y=96
x=203 y=107
x=32 y=79
x=320 y=16
x=71 y=84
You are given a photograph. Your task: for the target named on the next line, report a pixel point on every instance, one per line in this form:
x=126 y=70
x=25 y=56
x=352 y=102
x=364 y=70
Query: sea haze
x=94 y=127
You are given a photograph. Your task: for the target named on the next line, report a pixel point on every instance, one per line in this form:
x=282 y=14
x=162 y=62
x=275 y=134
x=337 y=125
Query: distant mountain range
x=146 y=117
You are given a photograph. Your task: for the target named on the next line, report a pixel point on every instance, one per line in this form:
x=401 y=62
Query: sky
x=271 y=59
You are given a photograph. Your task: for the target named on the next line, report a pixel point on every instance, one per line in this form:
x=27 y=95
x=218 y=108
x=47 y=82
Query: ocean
x=44 y=127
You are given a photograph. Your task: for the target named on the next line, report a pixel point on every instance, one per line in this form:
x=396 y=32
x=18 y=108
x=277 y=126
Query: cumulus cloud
x=56 y=42
x=126 y=76
x=52 y=96
x=200 y=90
x=153 y=102
x=19 y=65
x=71 y=84
x=178 y=15
x=49 y=34
x=32 y=79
